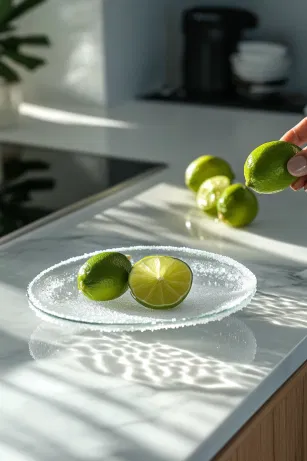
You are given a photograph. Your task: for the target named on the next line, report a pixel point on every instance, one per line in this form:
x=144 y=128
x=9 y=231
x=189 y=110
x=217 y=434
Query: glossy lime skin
x=206 y=167
x=238 y=206
x=104 y=276
x=265 y=169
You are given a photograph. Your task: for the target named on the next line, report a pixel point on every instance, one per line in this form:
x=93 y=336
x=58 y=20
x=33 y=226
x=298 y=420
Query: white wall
x=106 y=51
x=134 y=45
x=76 y=59
x=174 y=40
x=284 y=21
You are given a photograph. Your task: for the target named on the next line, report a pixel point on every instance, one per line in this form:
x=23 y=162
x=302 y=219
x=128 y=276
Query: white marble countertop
x=166 y=395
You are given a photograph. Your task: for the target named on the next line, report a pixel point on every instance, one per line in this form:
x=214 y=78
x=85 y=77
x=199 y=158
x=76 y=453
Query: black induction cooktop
x=36 y=182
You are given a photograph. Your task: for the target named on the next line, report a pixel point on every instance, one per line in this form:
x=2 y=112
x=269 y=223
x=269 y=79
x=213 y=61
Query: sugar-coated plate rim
x=37 y=306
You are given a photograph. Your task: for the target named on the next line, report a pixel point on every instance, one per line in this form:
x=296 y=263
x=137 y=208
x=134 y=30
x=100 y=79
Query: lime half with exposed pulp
x=210 y=191
x=104 y=276
x=160 y=282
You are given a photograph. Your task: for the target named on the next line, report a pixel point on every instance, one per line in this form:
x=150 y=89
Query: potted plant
x=14 y=54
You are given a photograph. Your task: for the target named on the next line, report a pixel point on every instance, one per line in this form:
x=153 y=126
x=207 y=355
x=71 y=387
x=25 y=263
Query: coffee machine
x=211 y=35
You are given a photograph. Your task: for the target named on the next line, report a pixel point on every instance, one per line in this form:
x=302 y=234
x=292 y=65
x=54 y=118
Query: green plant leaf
x=30 y=62
x=33 y=40
x=23 y=7
x=8 y=74
x=5 y=9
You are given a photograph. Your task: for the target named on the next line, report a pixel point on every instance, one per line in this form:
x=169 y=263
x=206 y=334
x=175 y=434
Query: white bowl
x=260 y=76
x=262 y=60
x=263 y=72
x=254 y=62
x=261 y=48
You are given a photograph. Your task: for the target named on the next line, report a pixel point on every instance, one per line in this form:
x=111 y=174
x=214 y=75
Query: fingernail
x=297 y=165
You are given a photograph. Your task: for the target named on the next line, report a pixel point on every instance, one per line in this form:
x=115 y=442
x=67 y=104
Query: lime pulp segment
x=160 y=282
x=210 y=191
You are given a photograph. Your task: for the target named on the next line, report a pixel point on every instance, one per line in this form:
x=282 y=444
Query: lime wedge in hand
x=104 y=276
x=160 y=282
x=210 y=191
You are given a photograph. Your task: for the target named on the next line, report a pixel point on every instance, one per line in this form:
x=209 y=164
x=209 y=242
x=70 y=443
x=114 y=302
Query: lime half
x=210 y=191
x=160 y=282
x=104 y=276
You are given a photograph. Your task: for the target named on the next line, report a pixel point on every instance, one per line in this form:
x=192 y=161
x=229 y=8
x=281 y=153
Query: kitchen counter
x=79 y=395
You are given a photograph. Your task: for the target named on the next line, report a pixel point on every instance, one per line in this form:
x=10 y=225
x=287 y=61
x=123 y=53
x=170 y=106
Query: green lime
x=237 y=206
x=265 y=169
x=206 y=167
x=209 y=193
x=160 y=282
x=104 y=276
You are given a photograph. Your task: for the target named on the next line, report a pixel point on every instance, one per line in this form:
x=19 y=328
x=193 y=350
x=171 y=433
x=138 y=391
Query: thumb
x=297 y=165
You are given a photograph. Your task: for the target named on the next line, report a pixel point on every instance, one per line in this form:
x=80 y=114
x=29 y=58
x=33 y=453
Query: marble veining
x=67 y=391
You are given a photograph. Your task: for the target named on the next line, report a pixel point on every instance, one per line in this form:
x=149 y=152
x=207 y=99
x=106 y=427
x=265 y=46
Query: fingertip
x=298 y=134
x=298 y=184
x=287 y=137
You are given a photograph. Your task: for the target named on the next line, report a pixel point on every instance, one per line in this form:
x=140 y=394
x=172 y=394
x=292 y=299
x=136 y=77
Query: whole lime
x=237 y=206
x=104 y=276
x=206 y=167
x=265 y=169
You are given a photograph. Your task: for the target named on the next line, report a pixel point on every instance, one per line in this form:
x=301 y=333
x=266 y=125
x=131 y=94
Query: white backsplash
x=286 y=24
x=108 y=51
x=76 y=65
x=134 y=45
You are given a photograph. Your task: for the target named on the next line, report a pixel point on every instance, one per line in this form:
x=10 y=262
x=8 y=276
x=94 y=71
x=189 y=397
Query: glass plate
x=220 y=287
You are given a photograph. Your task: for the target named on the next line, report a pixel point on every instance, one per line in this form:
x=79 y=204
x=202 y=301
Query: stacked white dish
x=266 y=65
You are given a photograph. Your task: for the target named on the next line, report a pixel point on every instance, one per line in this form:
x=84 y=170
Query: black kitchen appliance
x=211 y=35
x=36 y=182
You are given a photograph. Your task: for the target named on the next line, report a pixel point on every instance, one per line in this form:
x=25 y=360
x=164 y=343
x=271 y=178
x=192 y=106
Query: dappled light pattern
x=280 y=310
x=213 y=358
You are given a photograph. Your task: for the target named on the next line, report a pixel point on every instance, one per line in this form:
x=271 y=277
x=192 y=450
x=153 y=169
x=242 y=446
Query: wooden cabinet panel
x=278 y=431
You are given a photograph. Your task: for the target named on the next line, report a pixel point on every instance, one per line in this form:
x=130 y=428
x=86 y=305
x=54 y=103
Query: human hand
x=297 y=165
